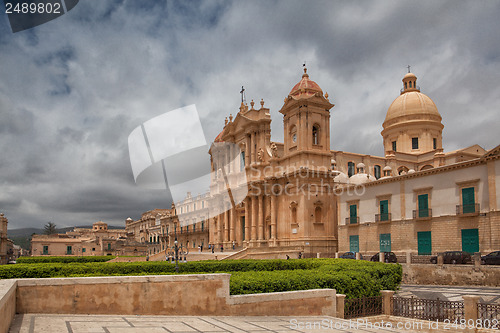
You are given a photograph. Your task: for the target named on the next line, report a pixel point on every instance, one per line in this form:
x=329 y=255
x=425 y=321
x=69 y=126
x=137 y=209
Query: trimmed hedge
x=54 y=259
x=349 y=277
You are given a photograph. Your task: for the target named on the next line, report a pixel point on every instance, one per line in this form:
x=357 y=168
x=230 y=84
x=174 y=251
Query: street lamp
x=176 y=256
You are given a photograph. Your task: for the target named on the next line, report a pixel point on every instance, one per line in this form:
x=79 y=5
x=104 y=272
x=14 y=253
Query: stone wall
x=453 y=275
x=7 y=304
x=206 y=294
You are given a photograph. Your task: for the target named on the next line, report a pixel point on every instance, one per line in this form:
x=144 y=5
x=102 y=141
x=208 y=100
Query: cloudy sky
x=73 y=89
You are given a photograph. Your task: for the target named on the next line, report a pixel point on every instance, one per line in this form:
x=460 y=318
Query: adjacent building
x=4 y=242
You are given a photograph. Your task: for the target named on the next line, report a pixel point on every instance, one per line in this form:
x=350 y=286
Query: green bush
x=350 y=277
x=47 y=259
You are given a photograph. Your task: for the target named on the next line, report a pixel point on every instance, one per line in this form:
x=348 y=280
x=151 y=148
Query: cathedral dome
x=412 y=123
x=305 y=88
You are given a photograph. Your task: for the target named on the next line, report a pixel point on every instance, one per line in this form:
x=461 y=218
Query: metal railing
x=488 y=312
x=468 y=209
x=352 y=220
x=384 y=217
x=422 y=214
x=427 y=309
x=362 y=307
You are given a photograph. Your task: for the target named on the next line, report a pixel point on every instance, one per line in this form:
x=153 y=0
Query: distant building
x=95 y=241
x=3 y=240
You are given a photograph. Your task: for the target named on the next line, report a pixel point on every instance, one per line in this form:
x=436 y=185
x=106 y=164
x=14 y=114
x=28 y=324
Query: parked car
x=350 y=255
x=388 y=257
x=492 y=258
x=454 y=257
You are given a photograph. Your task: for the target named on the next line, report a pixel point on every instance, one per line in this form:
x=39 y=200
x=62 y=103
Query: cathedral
x=302 y=196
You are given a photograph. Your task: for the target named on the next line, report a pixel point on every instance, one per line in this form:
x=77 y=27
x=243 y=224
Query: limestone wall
x=458 y=275
x=205 y=294
x=7 y=304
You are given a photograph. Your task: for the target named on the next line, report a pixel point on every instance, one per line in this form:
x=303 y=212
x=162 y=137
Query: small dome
x=387 y=168
x=305 y=88
x=341 y=178
x=411 y=171
x=410 y=76
x=360 y=178
x=360 y=165
x=332 y=161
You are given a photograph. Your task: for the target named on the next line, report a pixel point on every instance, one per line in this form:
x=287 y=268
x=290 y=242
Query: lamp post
x=176 y=247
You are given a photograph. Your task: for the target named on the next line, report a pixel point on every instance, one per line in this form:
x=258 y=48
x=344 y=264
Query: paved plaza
x=451 y=293
x=140 y=324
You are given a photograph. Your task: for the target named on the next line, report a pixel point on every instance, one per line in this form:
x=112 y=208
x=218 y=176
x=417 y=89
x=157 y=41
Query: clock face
x=294 y=137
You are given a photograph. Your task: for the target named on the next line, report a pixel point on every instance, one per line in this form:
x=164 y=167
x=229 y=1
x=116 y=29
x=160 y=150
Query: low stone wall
x=7 y=303
x=196 y=295
x=453 y=275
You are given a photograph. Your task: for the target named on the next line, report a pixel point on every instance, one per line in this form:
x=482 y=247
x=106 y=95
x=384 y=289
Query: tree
x=50 y=228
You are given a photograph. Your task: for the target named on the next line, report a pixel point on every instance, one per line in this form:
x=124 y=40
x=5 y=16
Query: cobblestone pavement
x=451 y=293
x=28 y=323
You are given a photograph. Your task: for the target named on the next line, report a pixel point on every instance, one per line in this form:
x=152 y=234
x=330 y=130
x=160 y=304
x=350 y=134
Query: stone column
x=252 y=143
x=248 y=150
x=248 y=206
x=226 y=225
x=232 y=223
x=273 y=217
x=254 y=218
x=261 y=217
x=386 y=301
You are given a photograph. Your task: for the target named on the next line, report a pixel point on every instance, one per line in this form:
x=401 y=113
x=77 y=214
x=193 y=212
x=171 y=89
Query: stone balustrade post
x=336 y=255
x=358 y=256
x=381 y=257
x=470 y=310
x=476 y=258
x=340 y=305
x=440 y=259
x=387 y=301
x=408 y=258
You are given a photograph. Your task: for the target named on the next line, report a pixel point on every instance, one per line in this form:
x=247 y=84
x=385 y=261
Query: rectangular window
x=93 y=249
x=423 y=205
x=377 y=171
x=181 y=230
x=69 y=249
x=434 y=143
x=350 y=169
x=242 y=161
x=353 y=214
x=109 y=246
x=194 y=227
x=385 y=242
x=394 y=145
x=354 y=243
x=384 y=210
x=202 y=225
x=414 y=143
x=187 y=228
x=84 y=250
x=45 y=249
x=468 y=200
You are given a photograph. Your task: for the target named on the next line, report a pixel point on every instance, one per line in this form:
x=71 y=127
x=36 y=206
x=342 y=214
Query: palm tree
x=50 y=228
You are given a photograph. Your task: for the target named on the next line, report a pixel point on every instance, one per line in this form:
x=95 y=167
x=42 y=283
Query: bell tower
x=306 y=122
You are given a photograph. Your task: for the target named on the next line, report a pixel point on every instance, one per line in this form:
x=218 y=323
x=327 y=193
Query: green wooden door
x=468 y=200
x=470 y=240
x=424 y=242
x=423 y=205
x=384 y=210
x=385 y=242
x=353 y=213
x=354 y=243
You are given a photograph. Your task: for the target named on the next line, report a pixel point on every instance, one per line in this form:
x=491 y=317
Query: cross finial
x=242 y=92
x=408 y=68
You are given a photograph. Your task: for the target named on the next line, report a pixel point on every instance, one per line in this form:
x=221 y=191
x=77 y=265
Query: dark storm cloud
x=72 y=90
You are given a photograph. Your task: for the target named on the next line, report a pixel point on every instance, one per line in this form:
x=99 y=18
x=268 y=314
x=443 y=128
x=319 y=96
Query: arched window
x=406 y=86
x=350 y=169
x=293 y=135
x=410 y=84
x=403 y=170
x=376 y=171
x=315 y=135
